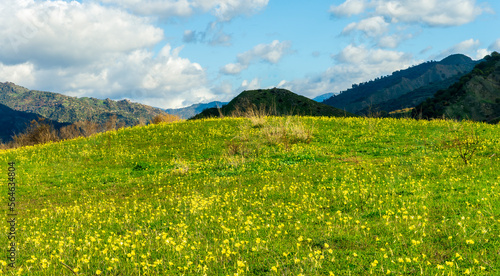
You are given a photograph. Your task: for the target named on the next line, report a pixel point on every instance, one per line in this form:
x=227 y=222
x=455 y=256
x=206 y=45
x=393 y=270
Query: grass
x=214 y=197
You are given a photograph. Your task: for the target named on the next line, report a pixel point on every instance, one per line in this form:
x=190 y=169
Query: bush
x=465 y=142
x=164 y=118
x=38 y=132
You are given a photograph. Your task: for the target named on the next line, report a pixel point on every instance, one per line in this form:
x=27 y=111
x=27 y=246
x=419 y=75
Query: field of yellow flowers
x=285 y=196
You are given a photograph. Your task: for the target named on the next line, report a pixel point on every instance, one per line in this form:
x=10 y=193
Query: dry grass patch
x=165 y=118
x=292 y=131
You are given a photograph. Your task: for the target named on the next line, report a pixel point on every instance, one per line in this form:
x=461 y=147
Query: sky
x=174 y=53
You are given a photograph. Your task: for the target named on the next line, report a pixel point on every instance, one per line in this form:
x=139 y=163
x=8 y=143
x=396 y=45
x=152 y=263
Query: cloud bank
x=87 y=49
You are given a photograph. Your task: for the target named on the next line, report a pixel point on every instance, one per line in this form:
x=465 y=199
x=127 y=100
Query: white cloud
x=233 y=68
x=468 y=47
x=92 y=50
x=349 y=7
x=223 y=10
x=495 y=46
x=61 y=33
x=213 y=35
x=19 y=73
x=155 y=7
x=371 y=27
x=430 y=12
x=249 y=85
x=388 y=22
x=162 y=80
x=360 y=55
x=481 y=53
x=389 y=41
x=427 y=12
x=271 y=53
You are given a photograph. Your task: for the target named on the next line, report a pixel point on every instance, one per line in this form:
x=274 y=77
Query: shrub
x=38 y=132
x=464 y=141
x=69 y=132
x=257 y=116
x=164 y=118
x=111 y=123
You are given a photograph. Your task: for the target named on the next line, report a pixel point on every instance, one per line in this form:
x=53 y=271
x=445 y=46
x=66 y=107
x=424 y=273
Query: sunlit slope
x=220 y=197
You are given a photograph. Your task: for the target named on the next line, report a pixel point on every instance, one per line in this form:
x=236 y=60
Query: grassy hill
x=218 y=197
x=65 y=109
x=404 y=88
x=275 y=102
x=476 y=96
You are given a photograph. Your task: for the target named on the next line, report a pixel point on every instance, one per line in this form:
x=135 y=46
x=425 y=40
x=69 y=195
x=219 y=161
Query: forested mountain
x=66 y=109
x=476 y=96
x=274 y=102
x=404 y=88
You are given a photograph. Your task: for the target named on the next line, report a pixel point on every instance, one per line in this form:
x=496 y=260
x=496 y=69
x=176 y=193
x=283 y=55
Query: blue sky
x=170 y=53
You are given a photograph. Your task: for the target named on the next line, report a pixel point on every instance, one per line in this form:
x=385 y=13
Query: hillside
x=276 y=102
x=65 y=109
x=15 y=122
x=476 y=96
x=413 y=98
x=218 y=197
x=405 y=88
x=192 y=110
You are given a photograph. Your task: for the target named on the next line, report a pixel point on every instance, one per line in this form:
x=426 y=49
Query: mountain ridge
x=66 y=109
x=370 y=95
x=476 y=96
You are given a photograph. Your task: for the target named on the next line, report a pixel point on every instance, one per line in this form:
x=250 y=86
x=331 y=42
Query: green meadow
x=260 y=196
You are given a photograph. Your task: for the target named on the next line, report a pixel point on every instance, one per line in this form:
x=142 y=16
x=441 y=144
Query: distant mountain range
x=323 y=97
x=404 y=88
x=66 y=109
x=192 y=110
x=275 y=102
x=476 y=96
x=455 y=87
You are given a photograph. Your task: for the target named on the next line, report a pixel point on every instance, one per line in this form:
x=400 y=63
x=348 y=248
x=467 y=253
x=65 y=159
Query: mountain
x=404 y=88
x=476 y=96
x=323 y=97
x=412 y=99
x=190 y=111
x=15 y=122
x=275 y=101
x=66 y=109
